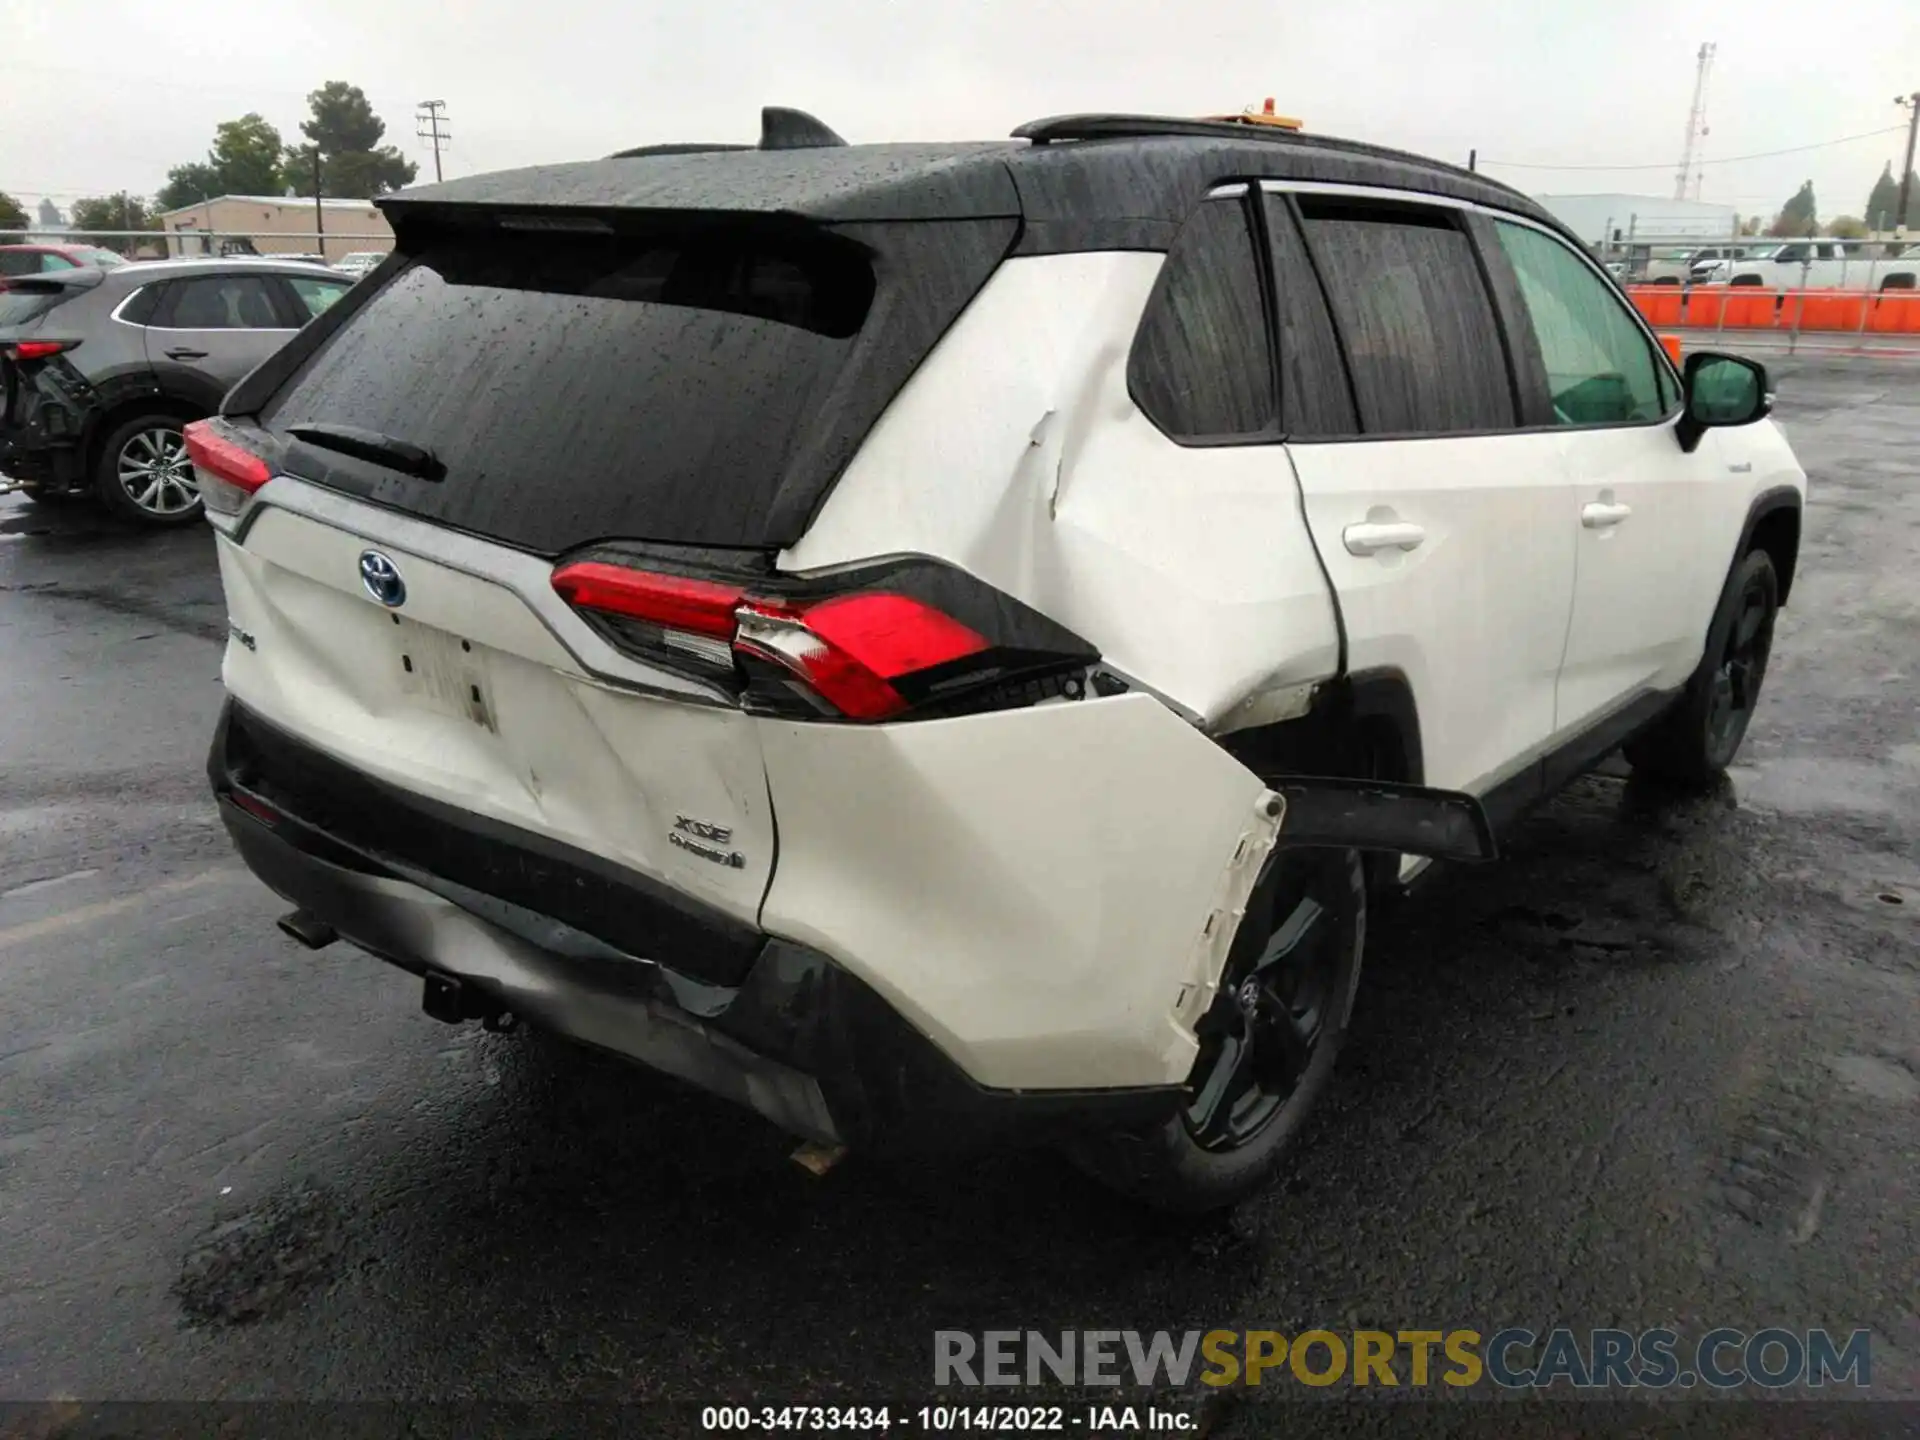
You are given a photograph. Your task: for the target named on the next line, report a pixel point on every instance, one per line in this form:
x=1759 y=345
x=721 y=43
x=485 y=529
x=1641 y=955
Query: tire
x=143 y=475
x=1695 y=741
x=1219 y=1150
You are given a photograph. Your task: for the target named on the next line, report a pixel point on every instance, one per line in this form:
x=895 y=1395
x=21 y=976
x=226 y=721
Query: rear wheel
x=1267 y=1045
x=1699 y=737
x=144 y=472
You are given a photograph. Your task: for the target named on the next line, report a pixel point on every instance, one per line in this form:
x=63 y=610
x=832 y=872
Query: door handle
x=1374 y=536
x=184 y=354
x=1600 y=515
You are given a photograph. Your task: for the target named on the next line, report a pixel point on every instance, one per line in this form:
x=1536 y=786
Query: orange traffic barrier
x=1704 y=305
x=1829 y=310
x=1671 y=344
x=1894 y=312
x=1660 y=304
x=1748 y=307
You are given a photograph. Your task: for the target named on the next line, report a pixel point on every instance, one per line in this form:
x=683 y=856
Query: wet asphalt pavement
x=1660 y=1066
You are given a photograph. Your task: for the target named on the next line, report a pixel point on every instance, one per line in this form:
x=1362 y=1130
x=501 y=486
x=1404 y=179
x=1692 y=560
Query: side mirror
x=1721 y=390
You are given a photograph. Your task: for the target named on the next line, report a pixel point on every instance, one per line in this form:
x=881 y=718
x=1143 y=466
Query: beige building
x=275 y=225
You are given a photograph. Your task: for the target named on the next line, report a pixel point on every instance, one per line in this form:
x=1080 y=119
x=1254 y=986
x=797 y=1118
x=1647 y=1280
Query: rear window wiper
x=387 y=450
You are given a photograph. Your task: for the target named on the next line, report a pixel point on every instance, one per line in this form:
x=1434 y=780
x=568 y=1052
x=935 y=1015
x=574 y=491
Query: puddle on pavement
x=258 y=1265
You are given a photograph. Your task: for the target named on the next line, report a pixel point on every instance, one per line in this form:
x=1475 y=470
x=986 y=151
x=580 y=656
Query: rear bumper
x=40 y=460
x=46 y=422
x=798 y=1038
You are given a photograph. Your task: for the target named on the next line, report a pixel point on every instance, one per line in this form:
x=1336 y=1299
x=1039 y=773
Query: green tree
x=111 y=212
x=1847 y=227
x=13 y=219
x=246 y=152
x=354 y=164
x=1799 y=216
x=1883 y=200
x=189 y=184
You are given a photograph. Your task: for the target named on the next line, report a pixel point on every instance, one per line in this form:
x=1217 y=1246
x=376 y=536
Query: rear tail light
x=228 y=472
x=38 y=349
x=875 y=644
x=850 y=650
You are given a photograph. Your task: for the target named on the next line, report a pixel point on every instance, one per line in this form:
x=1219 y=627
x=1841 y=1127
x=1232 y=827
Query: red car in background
x=38 y=259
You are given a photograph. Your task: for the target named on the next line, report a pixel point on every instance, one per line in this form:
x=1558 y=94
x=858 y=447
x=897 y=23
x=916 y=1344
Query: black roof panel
x=827 y=184
x=1127 y=185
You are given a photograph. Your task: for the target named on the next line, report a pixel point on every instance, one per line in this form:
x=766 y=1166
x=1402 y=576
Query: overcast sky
x=106 y=95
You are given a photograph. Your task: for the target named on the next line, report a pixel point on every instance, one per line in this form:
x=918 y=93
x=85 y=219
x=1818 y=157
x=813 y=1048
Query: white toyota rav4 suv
x=940 y=642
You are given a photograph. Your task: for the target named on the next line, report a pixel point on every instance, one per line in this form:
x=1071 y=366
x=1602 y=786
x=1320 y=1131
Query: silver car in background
x=359 y=263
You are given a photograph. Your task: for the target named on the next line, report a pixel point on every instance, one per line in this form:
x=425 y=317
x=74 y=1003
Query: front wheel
x=145 y=475
x=1267 y=1044
x=1699 y=737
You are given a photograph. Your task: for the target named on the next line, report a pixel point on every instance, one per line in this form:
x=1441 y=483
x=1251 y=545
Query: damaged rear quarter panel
x=1047 y=893
x=1017 y=453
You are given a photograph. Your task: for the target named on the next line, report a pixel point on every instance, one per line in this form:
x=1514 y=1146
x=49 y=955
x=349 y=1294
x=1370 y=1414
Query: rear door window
x=1413 y=314
x=1200 y=367
x=140 y=307
x=1316 y=400
x=219 y=302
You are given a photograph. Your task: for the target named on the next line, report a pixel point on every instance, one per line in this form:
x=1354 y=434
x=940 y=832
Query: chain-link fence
x=179 y=242
x=1814 y=263
x=1865 y=290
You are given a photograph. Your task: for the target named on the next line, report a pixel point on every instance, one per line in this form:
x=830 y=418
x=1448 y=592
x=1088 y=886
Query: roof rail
x=784 y=129
x=1114 y=127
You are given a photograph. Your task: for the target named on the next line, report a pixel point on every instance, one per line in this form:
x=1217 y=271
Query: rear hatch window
x=695 y=382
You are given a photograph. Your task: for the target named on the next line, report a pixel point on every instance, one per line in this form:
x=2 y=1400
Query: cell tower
x=1696 y=127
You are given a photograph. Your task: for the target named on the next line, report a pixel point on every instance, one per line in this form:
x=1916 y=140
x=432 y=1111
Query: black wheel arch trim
x=110 y=417
x=1781 y=498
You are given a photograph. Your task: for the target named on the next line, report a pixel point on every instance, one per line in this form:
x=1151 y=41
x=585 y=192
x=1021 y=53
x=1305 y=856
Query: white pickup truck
x=1680 y=267
x=1814 y=265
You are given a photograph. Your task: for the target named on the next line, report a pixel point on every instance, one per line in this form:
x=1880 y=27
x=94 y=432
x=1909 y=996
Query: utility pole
x=319 y=212
x=428 y=120
x=1473 y=159
x=1911 y=103
x=1696 y=121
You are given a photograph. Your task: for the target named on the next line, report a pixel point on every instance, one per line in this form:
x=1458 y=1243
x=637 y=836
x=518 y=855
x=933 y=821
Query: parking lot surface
x=1660 y=1066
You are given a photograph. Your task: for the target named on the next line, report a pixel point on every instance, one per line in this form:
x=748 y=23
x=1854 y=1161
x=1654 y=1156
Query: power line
x=428 y=119
x=1723 y=160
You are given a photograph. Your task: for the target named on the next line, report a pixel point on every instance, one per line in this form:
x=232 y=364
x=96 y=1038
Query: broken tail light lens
x=880 y=643
x=851 y=649
x=228 y=473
